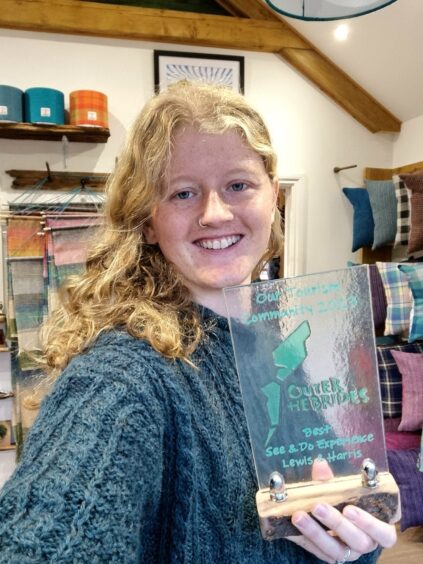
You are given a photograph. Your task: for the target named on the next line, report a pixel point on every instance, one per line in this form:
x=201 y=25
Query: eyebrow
x=235 y=171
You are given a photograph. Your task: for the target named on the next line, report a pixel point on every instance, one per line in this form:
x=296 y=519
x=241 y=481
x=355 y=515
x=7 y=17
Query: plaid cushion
x=378 y=297
x=414 y=182
x=398 y=298
x=414 y=274
x=390 y=378
x=384 y=209
x=402 y=194
x=363 y=224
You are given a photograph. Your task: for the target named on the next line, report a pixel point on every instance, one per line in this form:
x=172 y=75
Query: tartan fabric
x=88 y=107
x=402 y=194
x=390 y=377
x=403 y=465
x=411 y=368
x=414 y=274
x=398 y=298
x=378 y=297
x=414 y=182
x=28 y=296
x=23 y=239
x=384 y=209
x=33 y=280
x=70 y=245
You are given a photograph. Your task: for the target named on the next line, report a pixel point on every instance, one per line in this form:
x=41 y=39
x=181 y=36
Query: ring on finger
x=347 y=554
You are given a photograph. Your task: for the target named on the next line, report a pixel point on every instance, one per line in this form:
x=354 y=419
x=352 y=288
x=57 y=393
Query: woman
x=140 y=453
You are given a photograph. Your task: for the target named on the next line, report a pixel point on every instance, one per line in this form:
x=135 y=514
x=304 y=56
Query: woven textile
x=398 y=297
x=390 y=377
x=403 y=196
x=414 y=182
x=363 y=224
x=23 y=239
x=70 y=245
x=28 y=297
x=378 y=297
x=411 y=368
x=414 y=274
x=384 y=209
x=403 y=467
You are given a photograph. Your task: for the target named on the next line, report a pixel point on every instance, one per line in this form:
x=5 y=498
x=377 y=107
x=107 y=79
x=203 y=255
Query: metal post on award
x=306 y=360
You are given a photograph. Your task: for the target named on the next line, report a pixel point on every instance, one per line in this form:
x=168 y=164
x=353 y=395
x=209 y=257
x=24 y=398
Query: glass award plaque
x=306 y=359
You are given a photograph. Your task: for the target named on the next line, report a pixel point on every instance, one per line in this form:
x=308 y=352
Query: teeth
x=223 y=243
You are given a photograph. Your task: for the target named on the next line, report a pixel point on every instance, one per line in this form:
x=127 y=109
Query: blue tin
x=11 y=103
x=44 y=105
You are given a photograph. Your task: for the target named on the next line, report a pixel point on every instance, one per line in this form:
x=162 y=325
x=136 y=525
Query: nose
x=215 y=210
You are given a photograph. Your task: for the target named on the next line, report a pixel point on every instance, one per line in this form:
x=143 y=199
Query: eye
x=183 y=195
x=238 y=186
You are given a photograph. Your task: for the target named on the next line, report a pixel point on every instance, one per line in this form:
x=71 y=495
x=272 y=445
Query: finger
x=309 y=545
x=382 y=533
x=321 y=470
x=322 y=539
x=356 y=538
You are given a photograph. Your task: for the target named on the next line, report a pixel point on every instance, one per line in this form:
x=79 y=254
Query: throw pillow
x=411 y=368
x=403 y=467
x=390 y=377
x=414 y=182
x=414 y=273
x=403 y=195
x=363 y=224
x=378 y=297
x=384 y=209
x=398 y=298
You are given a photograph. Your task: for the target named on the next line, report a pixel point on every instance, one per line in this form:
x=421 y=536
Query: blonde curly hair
x=128 y=283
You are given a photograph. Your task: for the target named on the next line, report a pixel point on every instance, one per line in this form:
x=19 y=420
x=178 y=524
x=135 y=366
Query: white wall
x=311 y=133
x=408 y=147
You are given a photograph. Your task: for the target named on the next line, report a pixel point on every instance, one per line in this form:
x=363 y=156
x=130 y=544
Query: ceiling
x=383 y=53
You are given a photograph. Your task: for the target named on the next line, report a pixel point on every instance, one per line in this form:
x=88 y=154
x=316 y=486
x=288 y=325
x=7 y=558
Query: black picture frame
x=170 y=66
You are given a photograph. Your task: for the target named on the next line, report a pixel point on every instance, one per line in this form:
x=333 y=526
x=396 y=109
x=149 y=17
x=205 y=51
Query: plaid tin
x=390 y=378
x=403 y=195
x=88 y=107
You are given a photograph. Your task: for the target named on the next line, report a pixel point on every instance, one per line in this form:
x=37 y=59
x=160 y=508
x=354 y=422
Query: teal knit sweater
x=138 y=459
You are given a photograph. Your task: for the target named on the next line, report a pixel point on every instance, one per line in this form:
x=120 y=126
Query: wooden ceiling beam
x=320 y=70
x=128 y=22
x=247 y=9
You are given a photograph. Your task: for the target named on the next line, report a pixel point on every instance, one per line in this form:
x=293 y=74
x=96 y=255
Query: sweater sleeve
x=91 y=468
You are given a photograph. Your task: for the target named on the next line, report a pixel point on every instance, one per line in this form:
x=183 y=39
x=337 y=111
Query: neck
x=212 y=300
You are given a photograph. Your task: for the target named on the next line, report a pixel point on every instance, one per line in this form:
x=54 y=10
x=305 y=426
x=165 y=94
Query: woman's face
x=215 y=179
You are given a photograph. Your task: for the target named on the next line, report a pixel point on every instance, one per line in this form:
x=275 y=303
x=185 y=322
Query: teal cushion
x=384 y=209
x=363 y=224
x=414 y=274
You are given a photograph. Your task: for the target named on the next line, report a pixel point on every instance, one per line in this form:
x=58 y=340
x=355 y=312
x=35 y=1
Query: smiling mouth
x=218 y=244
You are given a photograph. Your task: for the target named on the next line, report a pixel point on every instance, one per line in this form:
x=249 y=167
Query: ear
x=150 y=233
x=275 y=186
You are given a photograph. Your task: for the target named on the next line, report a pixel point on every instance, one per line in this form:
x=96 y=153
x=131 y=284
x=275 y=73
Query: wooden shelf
x=47 y=132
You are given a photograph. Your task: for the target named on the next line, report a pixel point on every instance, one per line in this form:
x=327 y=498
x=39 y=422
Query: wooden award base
x=383 y=502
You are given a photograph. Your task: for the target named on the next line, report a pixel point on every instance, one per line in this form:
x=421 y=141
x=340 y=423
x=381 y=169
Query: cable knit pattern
x=138 y=459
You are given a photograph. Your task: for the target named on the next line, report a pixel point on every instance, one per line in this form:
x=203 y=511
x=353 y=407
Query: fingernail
x=320 y=510
x=299 y=520
x=351 y=513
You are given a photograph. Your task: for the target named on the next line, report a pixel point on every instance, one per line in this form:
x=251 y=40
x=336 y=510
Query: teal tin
x=44 y=105
x=11 y=103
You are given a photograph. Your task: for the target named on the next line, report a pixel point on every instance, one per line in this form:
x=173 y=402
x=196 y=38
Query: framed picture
x=171 y=66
